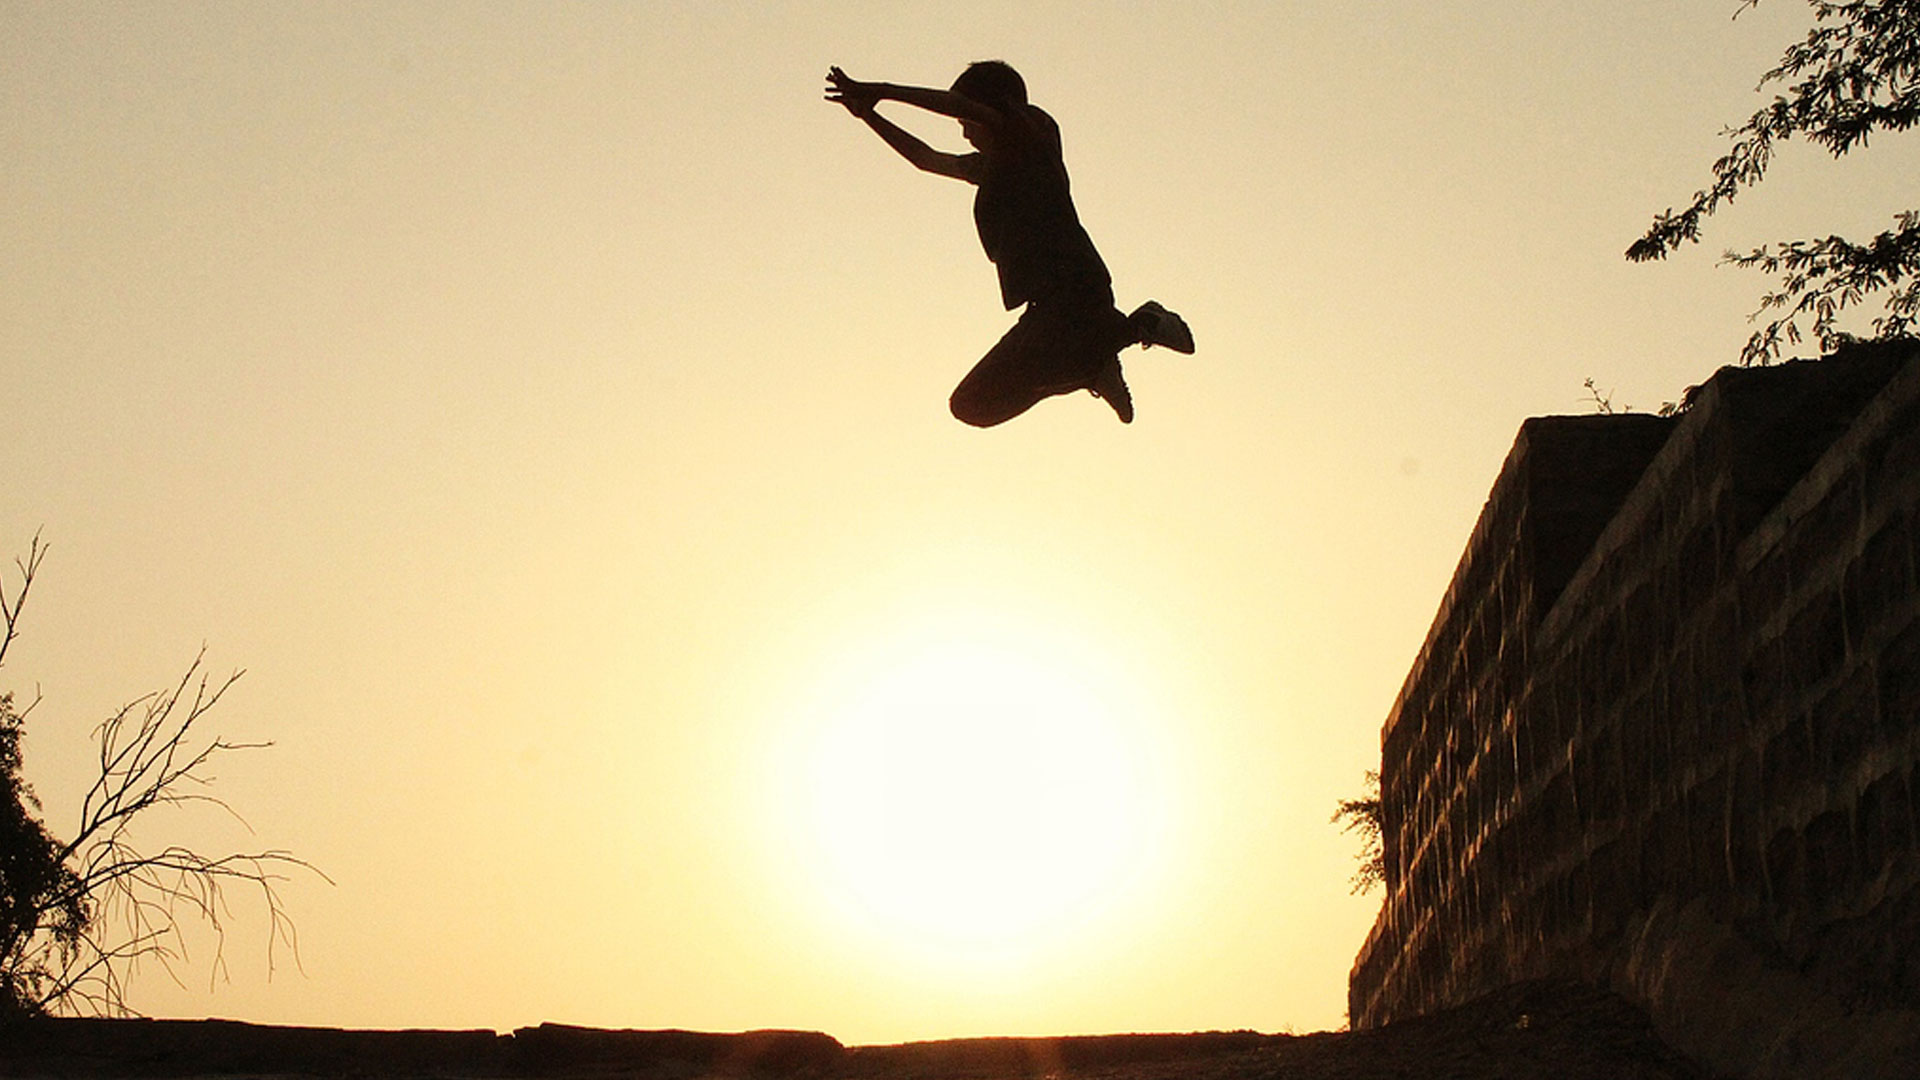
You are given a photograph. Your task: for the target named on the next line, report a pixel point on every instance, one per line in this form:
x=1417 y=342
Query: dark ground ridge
x=1533 y=1030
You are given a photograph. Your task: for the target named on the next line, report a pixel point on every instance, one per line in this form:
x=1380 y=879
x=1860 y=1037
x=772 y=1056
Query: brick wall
x=1663 y=733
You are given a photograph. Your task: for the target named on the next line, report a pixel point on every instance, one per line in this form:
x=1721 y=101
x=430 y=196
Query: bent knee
x=974 y=410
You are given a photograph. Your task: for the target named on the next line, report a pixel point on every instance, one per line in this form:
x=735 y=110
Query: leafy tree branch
x=1856 y=73
x=1363 y=816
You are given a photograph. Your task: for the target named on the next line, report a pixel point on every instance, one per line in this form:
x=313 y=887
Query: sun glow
x=974 y=796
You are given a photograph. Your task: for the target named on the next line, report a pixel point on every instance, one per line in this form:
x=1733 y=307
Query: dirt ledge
x=1534 y=1030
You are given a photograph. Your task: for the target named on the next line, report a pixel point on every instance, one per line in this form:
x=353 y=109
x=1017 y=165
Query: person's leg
x=1104 y=333
x=1148 y=326
x=1044 y=354
x=996 y=390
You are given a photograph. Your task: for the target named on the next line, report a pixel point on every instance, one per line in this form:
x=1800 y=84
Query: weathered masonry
x=1663 y=733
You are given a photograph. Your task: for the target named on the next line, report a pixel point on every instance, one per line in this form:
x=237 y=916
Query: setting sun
x=970 y=795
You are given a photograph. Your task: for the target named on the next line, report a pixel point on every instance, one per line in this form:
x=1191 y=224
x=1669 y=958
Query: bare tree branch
x=71 y=943
x=10 y=610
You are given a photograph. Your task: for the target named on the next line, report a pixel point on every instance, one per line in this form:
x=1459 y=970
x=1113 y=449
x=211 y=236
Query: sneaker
x=1110 y=386
x=1158 y=326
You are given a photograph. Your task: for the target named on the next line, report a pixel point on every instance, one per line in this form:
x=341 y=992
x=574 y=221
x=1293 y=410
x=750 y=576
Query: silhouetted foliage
x=76 y=918
x=1363 y=816
x=1603 y=402
x=1857 y=72
x=39 y=896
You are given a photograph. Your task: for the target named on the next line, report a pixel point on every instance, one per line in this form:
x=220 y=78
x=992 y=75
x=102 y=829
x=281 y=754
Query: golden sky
x=546 y=405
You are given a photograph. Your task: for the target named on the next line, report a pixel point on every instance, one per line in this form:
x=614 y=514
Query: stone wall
x=1663 y=733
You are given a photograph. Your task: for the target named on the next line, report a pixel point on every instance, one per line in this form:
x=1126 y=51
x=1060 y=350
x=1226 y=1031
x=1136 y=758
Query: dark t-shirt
x=1025 y=215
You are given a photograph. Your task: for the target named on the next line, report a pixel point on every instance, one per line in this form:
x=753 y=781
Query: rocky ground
x=1522 y=1033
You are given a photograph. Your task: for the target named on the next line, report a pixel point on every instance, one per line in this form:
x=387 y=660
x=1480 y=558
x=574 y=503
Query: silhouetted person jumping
x=1070 y=336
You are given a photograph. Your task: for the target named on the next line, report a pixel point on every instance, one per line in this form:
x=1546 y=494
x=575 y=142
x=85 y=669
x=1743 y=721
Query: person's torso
x=1024 y=211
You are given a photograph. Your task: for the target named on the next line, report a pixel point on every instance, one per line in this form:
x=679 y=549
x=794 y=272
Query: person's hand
x=843 y=89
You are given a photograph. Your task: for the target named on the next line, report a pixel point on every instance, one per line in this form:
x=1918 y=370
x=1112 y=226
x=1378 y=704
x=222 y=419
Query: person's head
x=992 y=82
x=989 y=82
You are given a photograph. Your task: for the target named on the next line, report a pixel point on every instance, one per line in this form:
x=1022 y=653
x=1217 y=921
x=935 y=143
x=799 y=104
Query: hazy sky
x=546 y=405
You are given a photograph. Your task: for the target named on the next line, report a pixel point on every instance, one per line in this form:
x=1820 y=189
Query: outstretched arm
x=945 y=102
x=860 y=99
x=926 y=158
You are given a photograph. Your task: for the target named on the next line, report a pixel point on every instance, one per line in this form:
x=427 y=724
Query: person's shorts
x=1058 y=346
